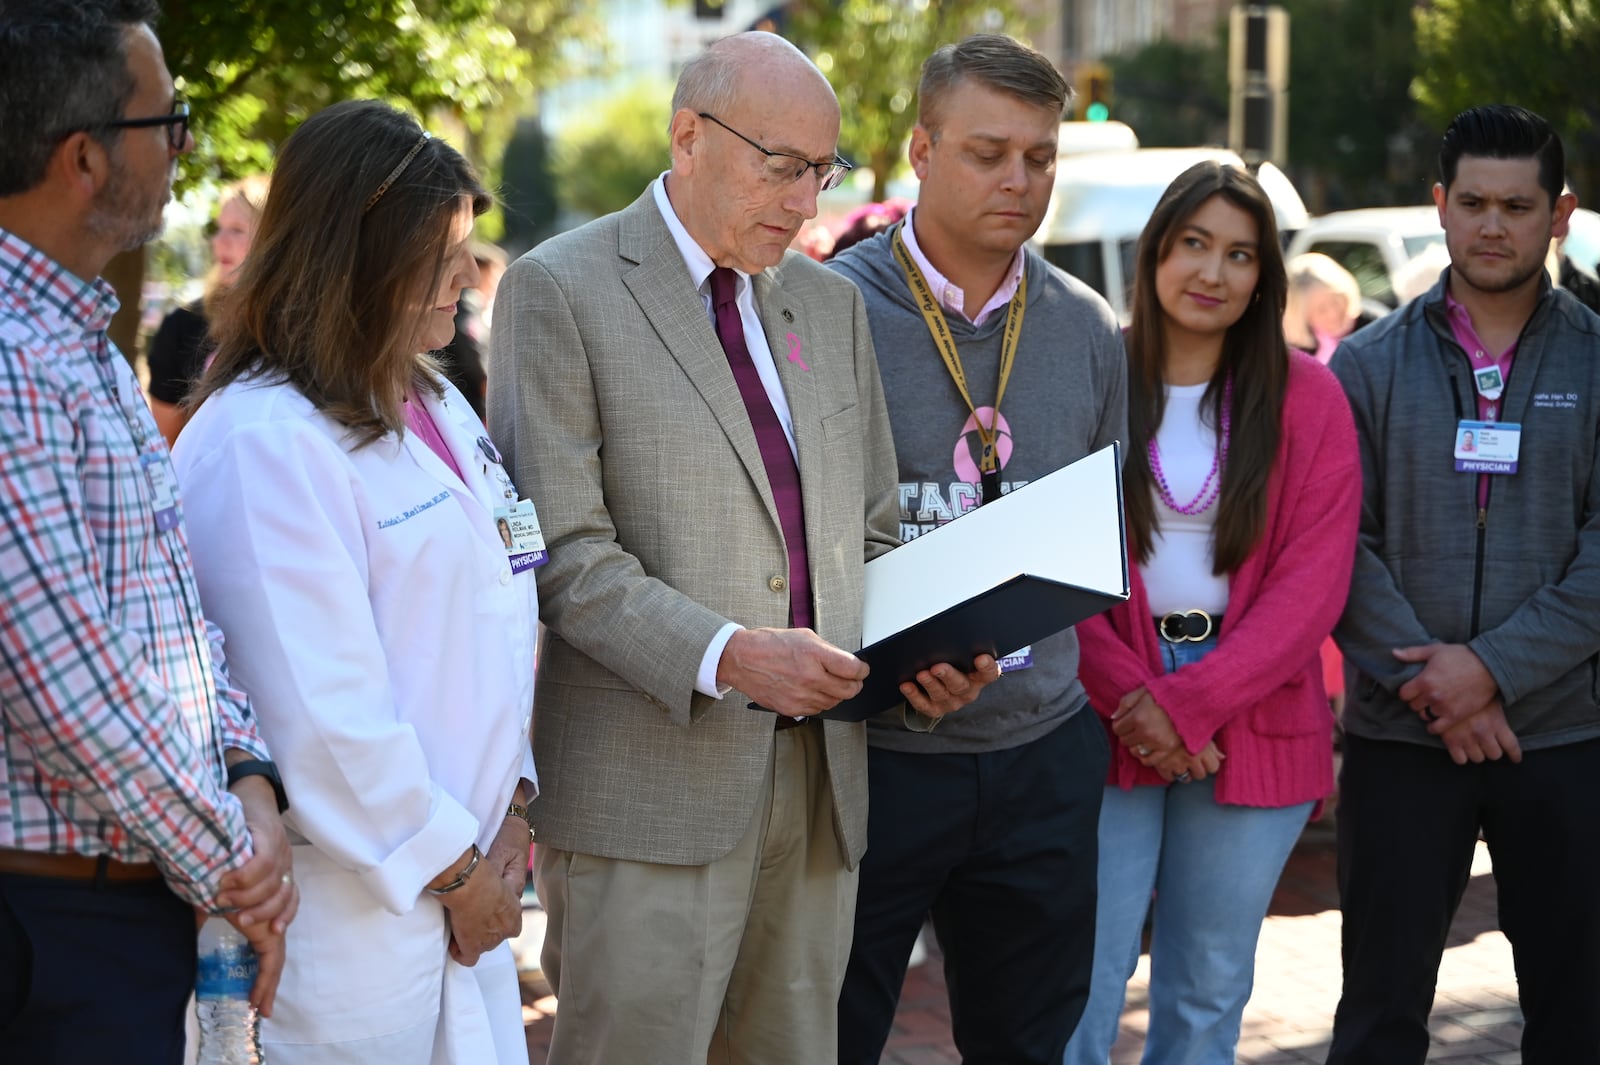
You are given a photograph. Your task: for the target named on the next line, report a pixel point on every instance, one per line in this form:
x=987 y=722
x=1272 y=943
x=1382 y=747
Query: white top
x=1178 y=575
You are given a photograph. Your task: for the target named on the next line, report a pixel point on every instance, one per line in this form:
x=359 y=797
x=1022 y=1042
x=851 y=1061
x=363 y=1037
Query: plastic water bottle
x=230 y=1029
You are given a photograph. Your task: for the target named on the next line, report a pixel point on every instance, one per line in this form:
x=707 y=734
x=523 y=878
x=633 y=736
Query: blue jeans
x=1213 y=869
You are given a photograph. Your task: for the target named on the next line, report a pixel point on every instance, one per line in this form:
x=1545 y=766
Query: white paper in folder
x=1065 y=526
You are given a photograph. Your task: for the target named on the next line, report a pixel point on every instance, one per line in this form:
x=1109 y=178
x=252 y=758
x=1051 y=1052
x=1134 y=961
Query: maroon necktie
x=782 y=474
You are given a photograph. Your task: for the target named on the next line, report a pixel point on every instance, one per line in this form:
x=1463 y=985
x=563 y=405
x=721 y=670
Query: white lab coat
x=372 y=615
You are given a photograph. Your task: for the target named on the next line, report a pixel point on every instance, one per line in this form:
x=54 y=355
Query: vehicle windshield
x=1365 y=262
x=1415 y=246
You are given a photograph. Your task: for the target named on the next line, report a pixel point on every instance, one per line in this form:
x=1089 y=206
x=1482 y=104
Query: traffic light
x=1094 y=92
x=1258 y=79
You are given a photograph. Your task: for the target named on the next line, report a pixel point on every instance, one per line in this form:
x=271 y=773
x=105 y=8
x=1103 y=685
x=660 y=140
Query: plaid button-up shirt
x=115 y=705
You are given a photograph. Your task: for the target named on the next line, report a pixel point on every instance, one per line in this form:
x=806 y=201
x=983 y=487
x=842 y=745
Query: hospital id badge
x=163 y=488
x=1487 y=447
x=1022 y=658
x=518 y=526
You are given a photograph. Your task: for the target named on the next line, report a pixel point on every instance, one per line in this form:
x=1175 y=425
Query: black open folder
x=1037 y=560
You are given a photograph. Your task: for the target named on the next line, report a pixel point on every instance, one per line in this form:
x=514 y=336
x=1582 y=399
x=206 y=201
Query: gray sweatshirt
x=1067 y=397
x=1521 y=586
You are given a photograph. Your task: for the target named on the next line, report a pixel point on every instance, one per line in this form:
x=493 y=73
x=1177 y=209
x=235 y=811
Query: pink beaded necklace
x=1211 y=489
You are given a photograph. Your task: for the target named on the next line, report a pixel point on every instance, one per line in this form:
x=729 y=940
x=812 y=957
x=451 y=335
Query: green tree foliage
x=872 y=53
x=528 y=195
x=1353 y=127
x=1354 y=134
x=602 y=165
x=1542 y=54
x=1173 y=93
x=253 y=69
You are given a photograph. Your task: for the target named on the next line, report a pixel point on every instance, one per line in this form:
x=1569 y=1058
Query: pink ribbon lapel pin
x=794 y=351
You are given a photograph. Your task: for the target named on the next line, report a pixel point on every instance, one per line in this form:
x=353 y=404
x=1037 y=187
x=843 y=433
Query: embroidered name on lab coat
x=414 y=511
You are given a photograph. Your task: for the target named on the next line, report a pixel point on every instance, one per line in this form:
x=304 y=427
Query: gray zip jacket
x=1519 y=581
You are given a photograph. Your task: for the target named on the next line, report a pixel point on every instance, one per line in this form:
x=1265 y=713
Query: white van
x=1079 y=138
x=1381 y=245
x=1103 y=200
x=1374 y=244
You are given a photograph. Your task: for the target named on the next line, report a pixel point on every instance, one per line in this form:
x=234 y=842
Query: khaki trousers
x=738 y=962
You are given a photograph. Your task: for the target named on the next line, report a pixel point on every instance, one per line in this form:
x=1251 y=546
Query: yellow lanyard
x=933 y=314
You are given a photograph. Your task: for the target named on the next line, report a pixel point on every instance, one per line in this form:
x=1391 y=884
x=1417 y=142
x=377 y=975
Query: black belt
x=1188 y=626
x=784 y=721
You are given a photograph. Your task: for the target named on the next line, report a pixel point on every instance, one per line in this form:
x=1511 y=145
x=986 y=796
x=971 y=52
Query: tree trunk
x=882 y=161
x=125 y=272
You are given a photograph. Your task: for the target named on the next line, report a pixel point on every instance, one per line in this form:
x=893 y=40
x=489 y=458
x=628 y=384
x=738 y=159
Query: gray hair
x=1313 y=269
x=708 y=82
x=63 y=68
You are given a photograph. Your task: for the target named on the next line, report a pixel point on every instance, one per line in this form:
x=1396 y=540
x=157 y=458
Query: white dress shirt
x=700 y=267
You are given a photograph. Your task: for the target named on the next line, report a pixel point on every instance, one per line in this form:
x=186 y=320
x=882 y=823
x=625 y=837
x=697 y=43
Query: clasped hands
x=1146 y=730
x=487 y=909
x=1457 y=696
x=798 y=673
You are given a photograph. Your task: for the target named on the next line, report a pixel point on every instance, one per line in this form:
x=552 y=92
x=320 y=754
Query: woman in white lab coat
x=342 y=504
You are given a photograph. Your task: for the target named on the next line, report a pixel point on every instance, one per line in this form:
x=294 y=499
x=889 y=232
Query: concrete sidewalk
x=1290 y=1017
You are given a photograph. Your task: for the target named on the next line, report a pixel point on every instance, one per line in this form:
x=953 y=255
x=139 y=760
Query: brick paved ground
x=1288 y=1021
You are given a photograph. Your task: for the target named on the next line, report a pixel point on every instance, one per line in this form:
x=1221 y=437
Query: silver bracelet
x=461 y=877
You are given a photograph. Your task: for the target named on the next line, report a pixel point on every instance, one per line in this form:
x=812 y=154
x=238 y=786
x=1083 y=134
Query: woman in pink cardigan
x=1242 y=493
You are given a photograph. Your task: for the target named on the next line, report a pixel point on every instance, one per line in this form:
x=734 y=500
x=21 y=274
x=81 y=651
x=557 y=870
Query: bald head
x=753 y=120
x=744 y=64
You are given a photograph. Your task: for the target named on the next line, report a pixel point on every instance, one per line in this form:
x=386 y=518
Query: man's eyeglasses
x=176 y=121
x=781 y=167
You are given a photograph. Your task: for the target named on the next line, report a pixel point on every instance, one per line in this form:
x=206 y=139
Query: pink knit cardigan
x=1259 y=694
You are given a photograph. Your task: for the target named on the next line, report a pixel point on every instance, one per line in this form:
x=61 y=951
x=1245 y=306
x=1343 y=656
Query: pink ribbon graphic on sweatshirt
x=794 y=352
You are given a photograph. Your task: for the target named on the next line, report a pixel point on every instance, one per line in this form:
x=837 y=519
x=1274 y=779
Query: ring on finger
x=1143 y=751
x=1183 y=777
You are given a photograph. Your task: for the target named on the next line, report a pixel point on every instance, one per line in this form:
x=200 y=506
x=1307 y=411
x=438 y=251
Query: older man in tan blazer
x=698 y=416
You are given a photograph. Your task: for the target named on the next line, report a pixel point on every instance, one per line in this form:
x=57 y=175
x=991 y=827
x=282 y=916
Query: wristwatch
x=256 y=767
x=522 y=813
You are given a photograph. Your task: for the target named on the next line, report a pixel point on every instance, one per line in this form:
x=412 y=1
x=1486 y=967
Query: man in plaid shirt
x=134 y=789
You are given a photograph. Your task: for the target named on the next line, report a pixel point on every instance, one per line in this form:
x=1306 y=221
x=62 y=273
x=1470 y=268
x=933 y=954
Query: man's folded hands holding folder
x=797 y=673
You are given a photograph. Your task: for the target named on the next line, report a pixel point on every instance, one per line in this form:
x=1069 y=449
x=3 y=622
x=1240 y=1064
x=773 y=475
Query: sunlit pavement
x=1290 y=1017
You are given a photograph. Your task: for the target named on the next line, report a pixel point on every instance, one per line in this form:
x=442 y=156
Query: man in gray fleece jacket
x=1473 y=626
x=989 y=822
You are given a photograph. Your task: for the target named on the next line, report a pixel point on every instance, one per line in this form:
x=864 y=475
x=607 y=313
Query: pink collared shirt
x=1467 y=336
x=1472 y=344
x=950 y=296
x=420 y=421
